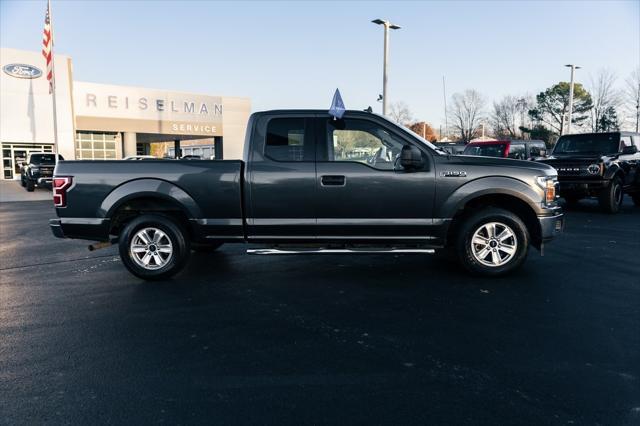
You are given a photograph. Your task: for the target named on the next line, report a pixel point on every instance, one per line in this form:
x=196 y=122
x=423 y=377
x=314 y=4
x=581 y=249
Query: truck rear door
x=281 y=177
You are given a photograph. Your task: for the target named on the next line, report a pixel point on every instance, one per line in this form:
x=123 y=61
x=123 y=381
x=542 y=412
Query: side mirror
x=629 y=150
x=411 y=158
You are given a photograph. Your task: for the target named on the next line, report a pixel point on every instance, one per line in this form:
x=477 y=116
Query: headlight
x=35 y=169
x=548 y=185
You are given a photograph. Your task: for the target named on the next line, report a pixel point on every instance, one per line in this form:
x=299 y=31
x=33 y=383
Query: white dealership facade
x=103 y=121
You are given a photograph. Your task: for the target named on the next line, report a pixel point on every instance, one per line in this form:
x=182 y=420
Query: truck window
x=536 y=149
x=362 y=141
x=517 y=151
x=285 y=140
x=625 y=141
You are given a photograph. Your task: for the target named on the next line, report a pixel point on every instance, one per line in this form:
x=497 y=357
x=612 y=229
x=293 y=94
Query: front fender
x=156 y=188
x=612 y=170
x=494 y=185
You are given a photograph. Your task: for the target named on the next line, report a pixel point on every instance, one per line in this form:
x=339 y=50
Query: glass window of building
x=96 y=146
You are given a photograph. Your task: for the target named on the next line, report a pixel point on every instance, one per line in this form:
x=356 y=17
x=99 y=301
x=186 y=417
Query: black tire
x=179 y=244
x=469 y=256
x=636 y=198
x=205 y=248
x=610 y=198
x=22 y=182
x=31 y=185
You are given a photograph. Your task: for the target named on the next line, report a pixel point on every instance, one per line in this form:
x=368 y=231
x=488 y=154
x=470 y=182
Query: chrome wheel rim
x=151 y=248
x=494 y=244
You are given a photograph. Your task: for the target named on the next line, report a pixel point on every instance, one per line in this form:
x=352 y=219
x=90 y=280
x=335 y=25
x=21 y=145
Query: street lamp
x=573 y=70
x=386 y=25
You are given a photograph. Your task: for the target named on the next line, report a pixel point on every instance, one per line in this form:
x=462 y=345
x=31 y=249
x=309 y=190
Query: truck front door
x=363 y=193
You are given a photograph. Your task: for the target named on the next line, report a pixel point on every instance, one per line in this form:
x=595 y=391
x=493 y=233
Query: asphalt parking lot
x=369 y=339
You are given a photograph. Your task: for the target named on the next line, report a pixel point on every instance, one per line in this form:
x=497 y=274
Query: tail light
x=60 y=186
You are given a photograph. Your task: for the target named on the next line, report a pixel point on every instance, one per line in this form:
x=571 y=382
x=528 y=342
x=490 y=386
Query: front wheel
x=611 y=197
x=153 y=247
x=492 y=242
x=30 y=185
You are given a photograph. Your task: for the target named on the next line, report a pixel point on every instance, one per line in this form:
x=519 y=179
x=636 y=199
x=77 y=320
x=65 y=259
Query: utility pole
x=387 y=25
x=573 y=70
x=444 y=95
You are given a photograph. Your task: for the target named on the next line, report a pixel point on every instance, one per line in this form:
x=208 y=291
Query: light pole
x=573 y=70
x=386 y=25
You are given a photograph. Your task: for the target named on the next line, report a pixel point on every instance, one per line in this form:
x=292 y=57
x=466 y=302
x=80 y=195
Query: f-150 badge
x=454 y=173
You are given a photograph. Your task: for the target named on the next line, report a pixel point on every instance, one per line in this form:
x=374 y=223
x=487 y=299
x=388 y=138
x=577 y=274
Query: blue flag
x=337 y=106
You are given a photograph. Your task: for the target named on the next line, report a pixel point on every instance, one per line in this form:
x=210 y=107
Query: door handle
x=333 y=180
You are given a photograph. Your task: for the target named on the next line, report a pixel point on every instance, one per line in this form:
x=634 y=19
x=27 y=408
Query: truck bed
x=207 y=192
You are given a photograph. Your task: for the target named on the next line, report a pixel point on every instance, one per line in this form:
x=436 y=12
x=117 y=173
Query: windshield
x=590 y=143
x=486 y=149
x=43 y=159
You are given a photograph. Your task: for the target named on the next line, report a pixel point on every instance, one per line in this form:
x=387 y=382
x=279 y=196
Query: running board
x=339 y=251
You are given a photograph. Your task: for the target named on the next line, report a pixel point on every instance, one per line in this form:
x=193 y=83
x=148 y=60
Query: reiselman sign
x=117 y=108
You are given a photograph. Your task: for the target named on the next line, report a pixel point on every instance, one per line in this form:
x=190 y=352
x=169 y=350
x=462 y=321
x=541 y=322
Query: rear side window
x=625 y=141
x=536 y=149
x=636 y=141
x=517 y=151
x=486 y=150
x=286 y=140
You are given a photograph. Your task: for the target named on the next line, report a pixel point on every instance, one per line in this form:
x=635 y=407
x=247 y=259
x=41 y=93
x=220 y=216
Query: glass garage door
x=96 y=146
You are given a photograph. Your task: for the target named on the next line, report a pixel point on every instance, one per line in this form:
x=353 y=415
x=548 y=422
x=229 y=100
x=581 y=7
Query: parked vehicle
x=518 y=149
x=38 y=170
x=298 y=185
x=452 y=148
x=139 y=157
x=603 y=165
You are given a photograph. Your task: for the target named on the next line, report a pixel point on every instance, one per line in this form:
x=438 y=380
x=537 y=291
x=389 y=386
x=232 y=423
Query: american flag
x=47 y=48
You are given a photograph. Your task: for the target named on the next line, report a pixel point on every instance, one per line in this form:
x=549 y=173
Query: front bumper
x=581 y=186
x=93 y=229
x=551 y=224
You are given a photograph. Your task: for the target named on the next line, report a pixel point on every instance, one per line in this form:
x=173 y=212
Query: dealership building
x=108 y=122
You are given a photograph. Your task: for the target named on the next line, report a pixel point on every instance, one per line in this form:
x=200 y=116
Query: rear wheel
x=611 y=197
x=492 y=242
x=22 y=181
x=153 y=247
x=636 y=198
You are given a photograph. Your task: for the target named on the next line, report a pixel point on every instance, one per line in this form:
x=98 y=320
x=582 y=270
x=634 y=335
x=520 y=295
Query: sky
x=295 y=54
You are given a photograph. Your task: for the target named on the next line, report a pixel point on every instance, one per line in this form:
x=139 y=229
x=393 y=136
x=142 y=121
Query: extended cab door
x=281 y=178
x=362 y=191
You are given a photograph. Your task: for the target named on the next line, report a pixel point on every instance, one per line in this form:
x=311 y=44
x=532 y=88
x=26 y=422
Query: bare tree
x=504 y=117
x=400 y=113
x=466 y=113
x=606 y=99
x=633 y=96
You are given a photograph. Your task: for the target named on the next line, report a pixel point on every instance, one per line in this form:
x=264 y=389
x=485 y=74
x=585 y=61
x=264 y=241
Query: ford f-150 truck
x=309 y=181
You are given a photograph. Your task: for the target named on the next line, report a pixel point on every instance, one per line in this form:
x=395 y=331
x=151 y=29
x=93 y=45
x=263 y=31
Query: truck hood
x=506 y=163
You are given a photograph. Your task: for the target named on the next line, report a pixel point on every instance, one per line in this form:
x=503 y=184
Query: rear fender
x=143 y=188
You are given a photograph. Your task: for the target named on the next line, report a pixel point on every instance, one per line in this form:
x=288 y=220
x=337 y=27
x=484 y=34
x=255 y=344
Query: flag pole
x=53 y=85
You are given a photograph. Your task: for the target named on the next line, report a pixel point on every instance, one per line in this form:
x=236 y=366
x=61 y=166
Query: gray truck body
x=312 y=200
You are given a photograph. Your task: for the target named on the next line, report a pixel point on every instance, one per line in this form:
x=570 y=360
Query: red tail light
x=60 y=186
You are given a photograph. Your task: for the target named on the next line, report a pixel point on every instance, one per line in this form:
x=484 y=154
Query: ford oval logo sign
x=22 y=71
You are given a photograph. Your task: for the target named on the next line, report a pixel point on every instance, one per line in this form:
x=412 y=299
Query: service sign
x=22 y=71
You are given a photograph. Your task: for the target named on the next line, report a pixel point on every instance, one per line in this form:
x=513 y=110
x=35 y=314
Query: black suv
x=38 y=170
x=603 y=165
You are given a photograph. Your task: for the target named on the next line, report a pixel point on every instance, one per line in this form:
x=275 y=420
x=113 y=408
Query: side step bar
x=339 y=251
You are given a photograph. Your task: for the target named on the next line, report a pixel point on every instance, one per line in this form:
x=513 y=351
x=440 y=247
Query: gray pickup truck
x=311 y=182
